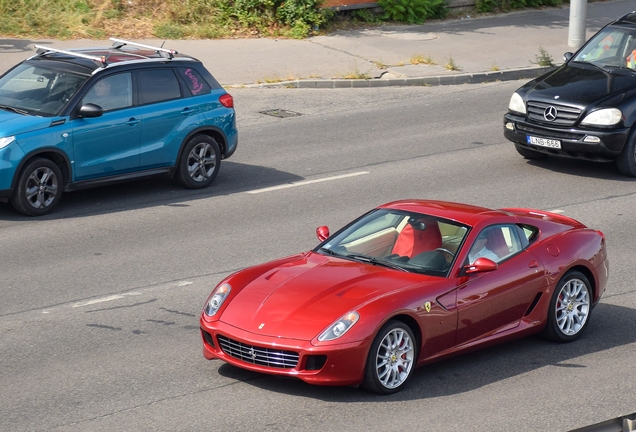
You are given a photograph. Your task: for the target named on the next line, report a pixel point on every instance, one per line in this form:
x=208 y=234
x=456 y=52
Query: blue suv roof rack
x=164 y=52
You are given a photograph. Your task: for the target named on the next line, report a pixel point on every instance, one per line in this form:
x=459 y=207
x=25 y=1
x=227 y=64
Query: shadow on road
x=611 y=326
x=158 y=191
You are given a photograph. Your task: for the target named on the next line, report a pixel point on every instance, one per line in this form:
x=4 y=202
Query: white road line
x=105 y=299
x=306 y=182
x=557 y=211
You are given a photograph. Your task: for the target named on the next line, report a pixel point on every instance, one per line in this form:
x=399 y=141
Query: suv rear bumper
x=575 y=142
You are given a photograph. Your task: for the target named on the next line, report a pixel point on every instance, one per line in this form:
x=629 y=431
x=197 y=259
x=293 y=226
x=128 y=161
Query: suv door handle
x=132 y=121
x=187 y=111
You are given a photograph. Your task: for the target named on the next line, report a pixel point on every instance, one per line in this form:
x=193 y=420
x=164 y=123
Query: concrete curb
x=470 y=78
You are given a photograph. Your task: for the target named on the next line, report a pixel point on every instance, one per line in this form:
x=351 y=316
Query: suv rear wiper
x=15 y=110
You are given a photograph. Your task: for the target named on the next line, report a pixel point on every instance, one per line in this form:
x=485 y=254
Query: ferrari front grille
x=257 y=355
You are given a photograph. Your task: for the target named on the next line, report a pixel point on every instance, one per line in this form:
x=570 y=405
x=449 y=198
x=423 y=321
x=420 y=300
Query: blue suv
x=73 y=119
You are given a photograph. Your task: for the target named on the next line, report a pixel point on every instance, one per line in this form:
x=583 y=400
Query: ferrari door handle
x=533 y=264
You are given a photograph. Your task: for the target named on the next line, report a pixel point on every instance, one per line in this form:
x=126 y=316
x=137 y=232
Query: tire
x=199 y=163
x=39 y=188
x=529 y=154
x=391 y=359
x=570 y=308
x=626 y=162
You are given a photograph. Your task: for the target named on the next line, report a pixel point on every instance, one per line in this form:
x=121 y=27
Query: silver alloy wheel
x=41 y=187
x=572 y=306
x=201 y=162
x=394 y=358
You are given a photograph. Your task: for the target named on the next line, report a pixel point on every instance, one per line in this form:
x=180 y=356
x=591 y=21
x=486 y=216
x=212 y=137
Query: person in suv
x=81 y=118
x=586 y=108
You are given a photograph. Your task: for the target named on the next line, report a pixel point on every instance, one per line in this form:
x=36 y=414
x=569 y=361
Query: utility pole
x=576 y=35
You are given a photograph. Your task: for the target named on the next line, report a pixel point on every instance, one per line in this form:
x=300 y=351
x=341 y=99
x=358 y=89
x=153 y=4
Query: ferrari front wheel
x=391 y=359
x=570 y=308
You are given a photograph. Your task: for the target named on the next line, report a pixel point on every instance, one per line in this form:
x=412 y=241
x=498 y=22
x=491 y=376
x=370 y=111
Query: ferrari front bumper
x=332 y=364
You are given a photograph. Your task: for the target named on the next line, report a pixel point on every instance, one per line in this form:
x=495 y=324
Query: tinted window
x=195 y=83
x=111 y=92
x=156 y=85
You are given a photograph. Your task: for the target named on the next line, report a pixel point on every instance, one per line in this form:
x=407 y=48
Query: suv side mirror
x=567 y=56
x=90 y=110
x=480 y=265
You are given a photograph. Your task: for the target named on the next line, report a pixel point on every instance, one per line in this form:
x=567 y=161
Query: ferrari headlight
x=603 y=117
x=5 y=141
x=516 y=104
x=340 y=327
x=217 y=298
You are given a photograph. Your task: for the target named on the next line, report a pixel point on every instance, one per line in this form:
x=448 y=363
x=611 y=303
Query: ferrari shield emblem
x=261 y=326
x=427 y=306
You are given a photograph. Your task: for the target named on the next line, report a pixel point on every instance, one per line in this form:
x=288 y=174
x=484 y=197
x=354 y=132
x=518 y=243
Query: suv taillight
x=227 y=100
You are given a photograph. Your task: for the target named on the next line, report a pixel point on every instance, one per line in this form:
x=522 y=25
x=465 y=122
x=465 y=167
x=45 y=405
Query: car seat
x=417 y=236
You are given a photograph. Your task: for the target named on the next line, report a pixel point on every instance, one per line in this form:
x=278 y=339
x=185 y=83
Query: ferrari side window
x=497 y=242
x=528 y=234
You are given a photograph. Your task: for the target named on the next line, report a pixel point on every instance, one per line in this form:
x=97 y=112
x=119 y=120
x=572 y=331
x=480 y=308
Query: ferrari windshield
x=400 y=240
x=613 y=46
x=38 y=90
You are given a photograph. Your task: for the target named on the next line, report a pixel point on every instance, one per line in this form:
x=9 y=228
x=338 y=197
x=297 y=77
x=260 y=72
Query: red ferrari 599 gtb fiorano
x=408 y=283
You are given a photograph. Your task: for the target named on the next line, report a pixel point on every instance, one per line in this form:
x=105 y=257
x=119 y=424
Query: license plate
x=543 y=142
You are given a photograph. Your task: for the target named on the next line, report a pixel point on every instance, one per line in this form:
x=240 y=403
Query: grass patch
x=451 y=65
x=543 y=58
x=172 y=19
x=420 y=59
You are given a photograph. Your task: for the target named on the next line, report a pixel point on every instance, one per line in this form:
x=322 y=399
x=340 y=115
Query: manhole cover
x=281 y=113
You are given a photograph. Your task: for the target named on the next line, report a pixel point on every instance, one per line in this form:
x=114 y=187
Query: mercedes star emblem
x=550 y=113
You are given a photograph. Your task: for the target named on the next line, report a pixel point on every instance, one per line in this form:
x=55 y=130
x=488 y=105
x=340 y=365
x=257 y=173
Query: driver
x=480 y=249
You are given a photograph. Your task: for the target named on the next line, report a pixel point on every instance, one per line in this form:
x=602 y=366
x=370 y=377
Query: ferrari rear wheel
x=570 y=308
x=391 y=359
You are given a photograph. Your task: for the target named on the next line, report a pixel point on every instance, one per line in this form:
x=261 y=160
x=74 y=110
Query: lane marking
x=306 y=182
x=104 y=299
x=557 y=211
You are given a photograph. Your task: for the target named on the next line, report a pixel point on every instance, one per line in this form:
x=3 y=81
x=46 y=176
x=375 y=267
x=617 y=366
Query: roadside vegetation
x=211 y=19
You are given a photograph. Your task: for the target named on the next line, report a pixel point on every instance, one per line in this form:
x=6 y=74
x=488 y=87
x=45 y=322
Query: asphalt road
x=100 y=301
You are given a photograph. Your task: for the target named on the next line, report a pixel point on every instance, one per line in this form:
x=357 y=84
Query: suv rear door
x=167 y=116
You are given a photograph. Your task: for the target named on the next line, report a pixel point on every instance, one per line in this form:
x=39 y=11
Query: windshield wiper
x=15 y=110
x=371 y=260
x=590 y=63
x=622 y=68
x=329 y=251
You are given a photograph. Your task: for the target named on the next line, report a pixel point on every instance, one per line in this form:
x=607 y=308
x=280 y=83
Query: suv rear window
x=195 y=83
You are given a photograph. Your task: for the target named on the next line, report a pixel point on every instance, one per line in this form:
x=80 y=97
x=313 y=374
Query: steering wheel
x=452 y=255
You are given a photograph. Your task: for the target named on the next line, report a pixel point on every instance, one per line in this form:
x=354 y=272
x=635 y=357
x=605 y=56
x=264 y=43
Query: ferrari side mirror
x=322 y=232
x=480 y=265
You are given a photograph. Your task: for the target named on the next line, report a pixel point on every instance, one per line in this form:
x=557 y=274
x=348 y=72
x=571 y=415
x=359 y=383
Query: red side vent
x=227 y=100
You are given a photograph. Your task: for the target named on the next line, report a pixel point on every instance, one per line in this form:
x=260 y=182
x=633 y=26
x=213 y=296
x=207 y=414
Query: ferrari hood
x=566 y=84
x=301 y=297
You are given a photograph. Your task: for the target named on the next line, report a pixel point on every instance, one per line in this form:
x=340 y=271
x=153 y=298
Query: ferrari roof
x=465 y=213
